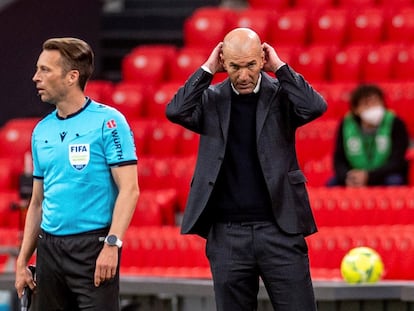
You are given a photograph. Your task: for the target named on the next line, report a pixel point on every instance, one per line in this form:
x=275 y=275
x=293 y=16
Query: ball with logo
x=362 y=265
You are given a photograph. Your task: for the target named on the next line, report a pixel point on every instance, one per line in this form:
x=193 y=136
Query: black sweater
x=240 y=193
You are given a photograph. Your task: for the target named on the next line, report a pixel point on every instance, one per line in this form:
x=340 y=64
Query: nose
x=243 y=74
x=35 y=77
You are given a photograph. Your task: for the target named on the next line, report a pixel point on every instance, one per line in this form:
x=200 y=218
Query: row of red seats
x=394 y=243
x=284 y=4
x=157 y=137
x=162 y=251
x=362 y=206
x=140 y=105
x=164 y=247
x=302 y=26
x=164 y=68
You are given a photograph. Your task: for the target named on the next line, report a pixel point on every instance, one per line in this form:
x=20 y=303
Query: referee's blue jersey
x=73 y=157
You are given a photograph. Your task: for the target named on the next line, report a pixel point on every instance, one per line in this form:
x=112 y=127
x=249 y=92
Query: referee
x=85 y=188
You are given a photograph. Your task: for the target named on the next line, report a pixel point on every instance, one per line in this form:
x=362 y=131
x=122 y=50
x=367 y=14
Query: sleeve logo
x=111 y=124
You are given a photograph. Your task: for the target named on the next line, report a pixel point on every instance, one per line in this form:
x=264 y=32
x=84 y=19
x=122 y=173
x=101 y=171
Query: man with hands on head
x=85 y=188
x=248 y=196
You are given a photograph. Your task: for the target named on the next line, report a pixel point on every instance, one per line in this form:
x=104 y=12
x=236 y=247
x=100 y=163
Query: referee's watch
x=112 y=240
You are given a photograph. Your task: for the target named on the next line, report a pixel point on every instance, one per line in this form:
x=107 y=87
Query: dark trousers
x=240 y=253
x=65 y=268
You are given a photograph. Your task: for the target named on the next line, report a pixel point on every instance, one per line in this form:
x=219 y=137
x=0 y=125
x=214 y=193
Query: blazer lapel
x=263 y=105
x=223 y=104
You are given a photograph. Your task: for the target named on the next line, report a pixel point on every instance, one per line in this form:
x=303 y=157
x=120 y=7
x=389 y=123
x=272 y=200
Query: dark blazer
x=284 y=104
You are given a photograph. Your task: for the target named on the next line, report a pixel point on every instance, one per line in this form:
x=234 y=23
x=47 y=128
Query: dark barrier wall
x=24 y=25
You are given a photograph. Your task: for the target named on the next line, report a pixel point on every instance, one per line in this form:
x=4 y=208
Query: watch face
x=111 y=239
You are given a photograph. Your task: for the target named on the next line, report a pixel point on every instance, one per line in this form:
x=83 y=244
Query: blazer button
x=210 y=183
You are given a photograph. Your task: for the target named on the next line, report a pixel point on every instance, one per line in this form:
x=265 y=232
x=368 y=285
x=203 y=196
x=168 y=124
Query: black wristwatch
x=112 y=240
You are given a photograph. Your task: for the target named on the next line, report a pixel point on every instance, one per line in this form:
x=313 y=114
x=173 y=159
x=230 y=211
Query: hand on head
x=214 y=62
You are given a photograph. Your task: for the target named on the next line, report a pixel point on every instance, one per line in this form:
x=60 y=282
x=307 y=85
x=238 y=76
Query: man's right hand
x=214 y=62
x=24 y=277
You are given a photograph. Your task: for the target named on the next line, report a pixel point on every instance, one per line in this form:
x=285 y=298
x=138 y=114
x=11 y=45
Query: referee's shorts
x=65 y=268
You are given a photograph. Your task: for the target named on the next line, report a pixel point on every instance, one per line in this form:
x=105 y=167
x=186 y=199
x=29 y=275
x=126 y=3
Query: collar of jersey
x=88 y=101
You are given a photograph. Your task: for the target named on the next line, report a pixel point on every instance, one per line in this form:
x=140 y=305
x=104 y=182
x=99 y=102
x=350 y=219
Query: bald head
x=241 y=40
x=243 y=58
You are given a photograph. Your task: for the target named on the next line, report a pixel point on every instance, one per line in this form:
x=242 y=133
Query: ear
x=222 y=61
x=73 y=76
x=263 y=59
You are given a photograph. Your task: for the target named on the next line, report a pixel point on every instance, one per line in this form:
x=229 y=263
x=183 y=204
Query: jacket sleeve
x=307 y=104
x=185 y=108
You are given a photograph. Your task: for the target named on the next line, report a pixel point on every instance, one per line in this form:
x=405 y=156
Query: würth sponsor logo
x=118 y=146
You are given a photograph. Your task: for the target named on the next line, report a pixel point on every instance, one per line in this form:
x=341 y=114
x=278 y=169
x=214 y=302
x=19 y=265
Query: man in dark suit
x=248 y=194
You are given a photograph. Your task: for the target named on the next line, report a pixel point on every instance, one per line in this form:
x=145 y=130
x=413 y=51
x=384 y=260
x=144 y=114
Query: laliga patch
x=79 y=155
x=111 y=124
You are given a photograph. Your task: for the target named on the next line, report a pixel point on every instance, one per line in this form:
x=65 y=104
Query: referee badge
x=79 y=155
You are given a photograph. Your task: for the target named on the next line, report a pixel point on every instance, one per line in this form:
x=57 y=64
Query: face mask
x=373 y=115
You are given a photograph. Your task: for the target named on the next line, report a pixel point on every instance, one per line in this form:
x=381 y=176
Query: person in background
x=248 y=196
x=371 y=143
x=85 y=188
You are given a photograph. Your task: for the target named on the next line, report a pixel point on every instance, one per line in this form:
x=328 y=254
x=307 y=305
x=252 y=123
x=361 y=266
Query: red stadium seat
x=313 y=62
x=188 y=143
x=367 y=26
x=392 y=4
x=269 y=4
x=166 y=199
x=318 y=171
x=129 y=98
x=336 y=95
x=163 y=140
x=287 y=52
x=404 y=63
x=11 y=216
x=290 y=27
x=15 y=138
x=256 y=19
x=399 y=27
x=379 y=63
x=312 y=5
x=330 y=26
x=319 y=133
x=182 y=168
x=400 y=96
x=148 y=64
x=142 y=130
x=167 y=51
x=9 y=174
x=352 y=4
x=155 y=172
x=160 y=98
x=188 y=60
x=147 y=212
x=99 y=90
x=346 y=64
x=207 y=26
x=339 y=97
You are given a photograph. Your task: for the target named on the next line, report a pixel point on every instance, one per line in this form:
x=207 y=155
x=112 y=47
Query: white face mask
x=373 y=115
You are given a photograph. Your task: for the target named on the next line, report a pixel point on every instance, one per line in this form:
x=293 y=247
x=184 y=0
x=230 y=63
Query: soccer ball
x=362 y=265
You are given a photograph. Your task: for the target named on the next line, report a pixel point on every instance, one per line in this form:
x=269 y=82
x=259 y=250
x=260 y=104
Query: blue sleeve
x=118 y=140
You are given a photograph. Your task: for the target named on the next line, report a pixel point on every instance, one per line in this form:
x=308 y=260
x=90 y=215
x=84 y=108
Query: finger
x=97 y=278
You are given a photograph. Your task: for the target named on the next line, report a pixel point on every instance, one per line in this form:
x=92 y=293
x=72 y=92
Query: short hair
x=364 y=91
x=76 y=55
